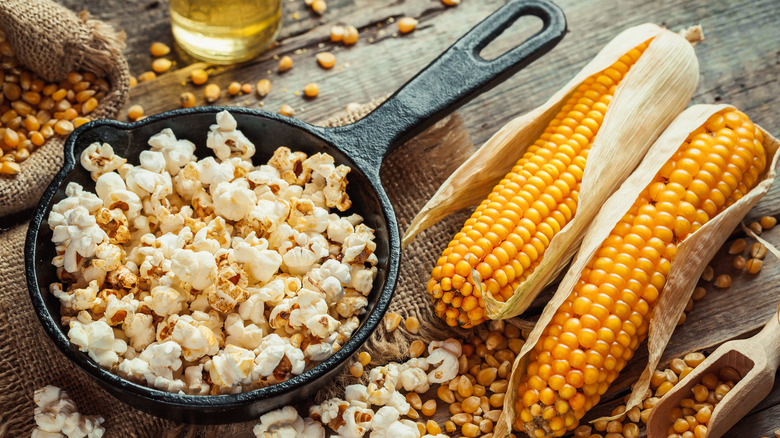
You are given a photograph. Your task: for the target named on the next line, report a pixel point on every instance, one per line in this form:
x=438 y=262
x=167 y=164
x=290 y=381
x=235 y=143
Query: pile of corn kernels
x=32 y=110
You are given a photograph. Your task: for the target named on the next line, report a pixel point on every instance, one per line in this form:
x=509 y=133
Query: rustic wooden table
x=739 y=63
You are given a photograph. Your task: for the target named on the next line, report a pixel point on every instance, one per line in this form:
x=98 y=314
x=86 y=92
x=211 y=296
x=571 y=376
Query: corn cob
x=605 y=318
x=506 y=237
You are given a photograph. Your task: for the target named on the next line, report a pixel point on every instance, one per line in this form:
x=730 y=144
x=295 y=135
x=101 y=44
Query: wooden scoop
x=755 y=359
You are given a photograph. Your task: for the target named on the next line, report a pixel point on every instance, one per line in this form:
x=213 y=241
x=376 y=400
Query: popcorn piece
x=56 y=415
x=249 y=336
x=97 y=340
x=177 y=153
x=226 y=140
x=99 y=159
x=304 y=216
x=362 y=279
x=197 y=268
x=114 y=223
x=210 y=172
x=353 y=303
x=253 y=253
x=357 y=420
x=359 y=245
x=165 y=300
x=270 y=354
x=232 y=366
x=77 y=299
x=228 y=292
x=196 y=340
x=339 y=228
x=330 y=278
x=107 y=258
x=80 y=234
x=290 y=165
x=120 y=310
x=233 y=200
x=152 y=161
x=193 y=375
x=335 y=191
x=139 y=329
x=286 y=423
x=157 y=364
x=312 y=312
x=445 y=356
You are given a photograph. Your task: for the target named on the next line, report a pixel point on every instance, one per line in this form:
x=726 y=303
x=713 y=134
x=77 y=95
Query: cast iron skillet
x=454 y=78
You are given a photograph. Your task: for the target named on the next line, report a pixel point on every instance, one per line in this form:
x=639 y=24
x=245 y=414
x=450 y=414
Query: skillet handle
x=454 y=78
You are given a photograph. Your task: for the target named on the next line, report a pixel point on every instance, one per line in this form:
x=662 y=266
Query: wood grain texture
x=739 y=64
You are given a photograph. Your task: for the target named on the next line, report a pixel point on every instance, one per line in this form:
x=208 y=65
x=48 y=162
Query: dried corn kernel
x=143 y=77
x=159 y=49
x=212 y=92
x=351 y=35
x=263 y=87
x=767 y=222
x=199 y=76
x=326 y=60
x=161 y=65
x=285 y=63
x=319 y=6
x=754 y=265
x=311 y=90
x=234 y=88
x=407 y=24
x=187 y=100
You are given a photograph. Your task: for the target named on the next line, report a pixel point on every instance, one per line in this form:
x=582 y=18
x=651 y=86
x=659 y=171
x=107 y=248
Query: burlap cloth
x=52 y=41
x=29 y=360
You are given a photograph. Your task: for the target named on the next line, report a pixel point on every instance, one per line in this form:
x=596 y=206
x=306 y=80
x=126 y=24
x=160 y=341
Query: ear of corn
x=606 y=316
x=523 y=233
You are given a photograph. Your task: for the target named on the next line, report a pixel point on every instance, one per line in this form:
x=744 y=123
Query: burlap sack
x=29 y=360
x=52 y=41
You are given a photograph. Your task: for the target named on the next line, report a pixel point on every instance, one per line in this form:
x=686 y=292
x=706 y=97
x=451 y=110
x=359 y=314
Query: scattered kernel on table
x=407 y=24
x=135 y=112
x=319 y=6
x=159 y=49
x=285 y=63
x=246 y=88
x=754 y=265
x=739 y=263
x=147 y=76
x=161 y=65
x=234 y=88
x=756 y=227
x=311 y=90
x=351 y=35
x=708 y=274
x=767 y=222
x=326 y=59
x=451 y=2
x=199 y=76
x=212 y=92
x=263 y=87
x=336 y=33
x=737 y=246
x=287 y=110
x=412 y=325
x=187 y=100
x=758 y=250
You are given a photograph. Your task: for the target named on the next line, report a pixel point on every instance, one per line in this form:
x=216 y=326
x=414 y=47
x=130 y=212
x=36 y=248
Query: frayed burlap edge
x=98 y=49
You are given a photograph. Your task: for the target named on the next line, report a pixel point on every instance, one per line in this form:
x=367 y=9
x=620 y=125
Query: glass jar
x=225 y=31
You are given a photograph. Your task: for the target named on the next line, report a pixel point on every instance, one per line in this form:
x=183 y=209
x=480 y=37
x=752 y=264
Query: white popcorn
x=177 y=153
x=362 y=279
x=414 y=379
x=233 y=200
x=357 y=420
x=193 y=375
x=97 y=340
x=139 y=329
x=359 y=245
x=286 y=423
x=196 y=340
x=165 y=300
x=99 y=158
x=271 y=352
x=257 y=259
x=339 y=228
x=80 y=233
x=226 y=140
x=382 y=420
x=77 y=299
x=215 y=266
x=196 y=268
x=249 y=336
x=232 y=366
x=56 y=416
x=445 y=356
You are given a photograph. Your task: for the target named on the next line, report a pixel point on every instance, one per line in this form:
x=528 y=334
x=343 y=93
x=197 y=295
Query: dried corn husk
x=653 y=92
x=693 y=254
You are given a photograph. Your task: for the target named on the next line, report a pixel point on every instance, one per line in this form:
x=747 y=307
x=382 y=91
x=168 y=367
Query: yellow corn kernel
x=606 y=316
x=161 y=65
x=407 y=24
x=326 y=59
x=159 y=49
x=285 y=63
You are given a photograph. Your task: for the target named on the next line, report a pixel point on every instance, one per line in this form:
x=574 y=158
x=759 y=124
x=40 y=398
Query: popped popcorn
x=216 y=275
x=56 y=416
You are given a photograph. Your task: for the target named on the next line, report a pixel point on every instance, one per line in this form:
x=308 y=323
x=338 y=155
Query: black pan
x=454 y=78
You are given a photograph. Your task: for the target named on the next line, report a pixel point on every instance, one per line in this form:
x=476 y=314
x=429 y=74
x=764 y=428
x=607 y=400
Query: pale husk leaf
x=768 y=245
x=655 y=90
x=693 y=254
x=476 y=177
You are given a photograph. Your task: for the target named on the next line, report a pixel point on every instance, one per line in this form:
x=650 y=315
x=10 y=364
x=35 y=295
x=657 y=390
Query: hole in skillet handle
x=451 y=80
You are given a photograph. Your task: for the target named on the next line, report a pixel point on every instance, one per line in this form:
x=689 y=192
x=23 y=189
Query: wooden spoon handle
x=769 y=339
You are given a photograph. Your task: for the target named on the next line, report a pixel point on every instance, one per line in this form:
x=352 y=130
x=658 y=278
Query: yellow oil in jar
x=225 y=31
